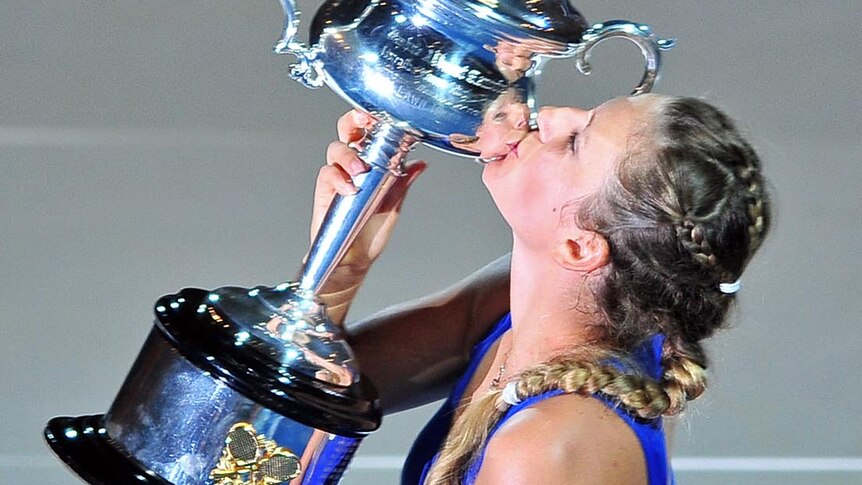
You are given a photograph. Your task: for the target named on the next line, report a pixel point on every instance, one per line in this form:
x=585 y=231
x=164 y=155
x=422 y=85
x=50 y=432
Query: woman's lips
x=513 y=147
x=495 y=158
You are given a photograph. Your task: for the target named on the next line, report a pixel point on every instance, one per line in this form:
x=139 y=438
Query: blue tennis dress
x=649 y=432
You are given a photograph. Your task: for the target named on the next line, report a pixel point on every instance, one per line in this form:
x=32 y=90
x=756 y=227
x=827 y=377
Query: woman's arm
x=414 y=351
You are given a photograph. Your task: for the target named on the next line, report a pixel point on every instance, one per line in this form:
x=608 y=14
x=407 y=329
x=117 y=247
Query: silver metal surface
x=433 y=67
x=384 y=152
x=298 y=333
x=641 y=35
x=289 y=316
x=173 y=419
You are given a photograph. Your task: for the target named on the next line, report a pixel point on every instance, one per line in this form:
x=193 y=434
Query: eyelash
x=573 y=141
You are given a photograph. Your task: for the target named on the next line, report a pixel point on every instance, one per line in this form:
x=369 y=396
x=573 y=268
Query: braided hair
x=684 y=214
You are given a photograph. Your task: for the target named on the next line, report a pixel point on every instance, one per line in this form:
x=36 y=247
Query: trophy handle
x=303 y=70
x=640 y=34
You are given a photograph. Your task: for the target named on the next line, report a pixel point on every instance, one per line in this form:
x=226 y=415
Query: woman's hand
x=336 y=177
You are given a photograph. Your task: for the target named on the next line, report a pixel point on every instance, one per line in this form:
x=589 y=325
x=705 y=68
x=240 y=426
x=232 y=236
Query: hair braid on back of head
x=686 y=211
x=757 y=202
x=706 y=140
x=692 y=236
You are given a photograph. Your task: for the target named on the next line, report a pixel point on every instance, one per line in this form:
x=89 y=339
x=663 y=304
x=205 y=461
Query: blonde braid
x=758 y=215
x=583 y=373
x=692 y=236
x=638 y=395
x=467 y=436
x=684 y=377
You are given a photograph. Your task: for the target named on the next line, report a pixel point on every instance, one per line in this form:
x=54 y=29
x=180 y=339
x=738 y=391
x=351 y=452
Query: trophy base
x=202 y=381
x=84 y=446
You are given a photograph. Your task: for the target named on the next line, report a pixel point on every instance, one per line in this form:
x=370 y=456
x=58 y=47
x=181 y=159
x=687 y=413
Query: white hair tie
x=730 y=288
x=510 y=393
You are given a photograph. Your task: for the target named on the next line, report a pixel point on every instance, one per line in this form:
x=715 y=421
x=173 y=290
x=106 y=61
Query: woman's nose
x=554 y=122
x=522 y=117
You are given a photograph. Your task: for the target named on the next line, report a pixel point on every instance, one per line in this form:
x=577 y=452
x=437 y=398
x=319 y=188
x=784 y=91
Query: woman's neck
x=552 y=310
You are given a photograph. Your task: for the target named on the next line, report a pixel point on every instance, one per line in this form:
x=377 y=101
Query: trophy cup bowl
x=257 y=385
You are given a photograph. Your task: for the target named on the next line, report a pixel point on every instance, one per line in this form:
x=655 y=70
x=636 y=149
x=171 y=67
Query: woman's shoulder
x=568 y=439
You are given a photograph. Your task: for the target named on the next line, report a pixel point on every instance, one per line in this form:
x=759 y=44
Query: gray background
x=149 y=146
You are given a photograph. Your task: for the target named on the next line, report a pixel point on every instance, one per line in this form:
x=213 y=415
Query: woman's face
x=504 y=125
x=570 y=155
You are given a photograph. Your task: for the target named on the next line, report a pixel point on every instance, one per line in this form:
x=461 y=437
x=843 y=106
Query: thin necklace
x=495 y=382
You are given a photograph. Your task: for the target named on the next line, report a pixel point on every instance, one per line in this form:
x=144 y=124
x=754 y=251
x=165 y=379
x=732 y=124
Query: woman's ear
x=583 y=251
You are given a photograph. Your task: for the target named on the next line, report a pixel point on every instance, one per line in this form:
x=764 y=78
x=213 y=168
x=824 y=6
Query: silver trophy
x=246 y=386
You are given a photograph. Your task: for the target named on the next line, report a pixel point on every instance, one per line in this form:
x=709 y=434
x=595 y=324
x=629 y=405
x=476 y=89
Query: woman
x=632 y=224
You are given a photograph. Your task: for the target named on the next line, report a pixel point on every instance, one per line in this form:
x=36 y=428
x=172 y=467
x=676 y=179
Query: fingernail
x=360 y=118
x=356 y=167
x=348 y=188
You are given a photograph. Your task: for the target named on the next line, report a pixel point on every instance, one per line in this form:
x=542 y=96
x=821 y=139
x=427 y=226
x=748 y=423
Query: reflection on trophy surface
x=505 y=122
x=258 y=385
x=512 y=60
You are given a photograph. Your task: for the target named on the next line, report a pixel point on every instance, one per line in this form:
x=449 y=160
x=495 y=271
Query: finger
x=521 y=63
x=331 y=180
x=344 y=157
x=353 y=125
x=504 y=57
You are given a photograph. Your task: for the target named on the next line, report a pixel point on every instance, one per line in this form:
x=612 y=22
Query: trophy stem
x=385 y=149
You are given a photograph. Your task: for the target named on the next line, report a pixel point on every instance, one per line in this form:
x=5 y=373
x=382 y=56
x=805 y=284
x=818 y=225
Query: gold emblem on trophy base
x=250 y=459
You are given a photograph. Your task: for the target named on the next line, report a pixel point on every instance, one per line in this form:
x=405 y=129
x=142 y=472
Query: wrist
x=339 y=291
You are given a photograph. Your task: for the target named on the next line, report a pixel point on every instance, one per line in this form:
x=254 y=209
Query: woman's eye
x=499 y=116
x=573 y=141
